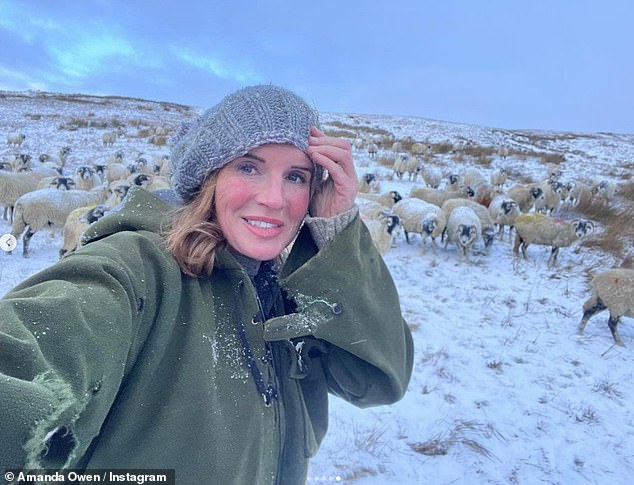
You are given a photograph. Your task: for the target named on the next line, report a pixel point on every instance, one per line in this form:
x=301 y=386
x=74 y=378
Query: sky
x=554 y=65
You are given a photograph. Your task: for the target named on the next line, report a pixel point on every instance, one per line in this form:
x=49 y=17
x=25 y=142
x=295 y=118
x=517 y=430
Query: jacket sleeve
x=66 y=335
x=345 y=296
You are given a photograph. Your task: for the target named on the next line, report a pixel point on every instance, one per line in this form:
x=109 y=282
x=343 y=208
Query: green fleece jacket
x=113 y=358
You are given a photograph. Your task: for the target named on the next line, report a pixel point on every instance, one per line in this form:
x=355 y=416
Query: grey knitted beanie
x=243 y=120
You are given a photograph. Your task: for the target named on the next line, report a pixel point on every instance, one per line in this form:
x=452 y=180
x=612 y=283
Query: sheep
x=149 y=182
x=463 y=229
x=455 y=182
x=56 y=182
x=437 y=196
x=16 y=140
x=579 y=193
x=432 y=177
x=118 y=190
x=372 y=150
x=604 y=191
x=525 y=195
x=487 y=228
x=59 y=161
x=472 y=176
x=550 y=231
x=419 y=148
x=13 y=185
x=553 y=172
x=503 y=211
x=397 y=146
x=498 y=177
x=388 y=199
x=85 y=178
x=399 y=167
x=76 y=224
x=116 y=171
x=412 y=167
x=613 y=290
x=483 y=193
x=22 y=162
x=503 y=151
x=422 y=218
x=551 y=199
x=383 y=231
x=109 y=138
x=371 y=209
x=368 y=183
x=49 y=208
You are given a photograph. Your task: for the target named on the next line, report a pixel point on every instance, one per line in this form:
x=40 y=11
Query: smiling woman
x=202 y=330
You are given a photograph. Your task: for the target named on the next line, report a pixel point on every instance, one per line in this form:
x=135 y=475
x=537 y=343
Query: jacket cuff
x=324 y=229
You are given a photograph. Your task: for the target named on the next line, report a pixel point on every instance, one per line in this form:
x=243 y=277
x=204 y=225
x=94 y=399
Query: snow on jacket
x=113 y=358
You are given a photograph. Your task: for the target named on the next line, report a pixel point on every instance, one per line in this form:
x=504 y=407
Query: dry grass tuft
x=460 y=434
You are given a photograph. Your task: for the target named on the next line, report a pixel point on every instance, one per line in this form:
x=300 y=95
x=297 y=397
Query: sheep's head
x=396 y=196
x=467 y=233
x=536 y=193
x=509 y=206
x=582 y=227
x=85 y=172
x=429 y=224
x=488 y=235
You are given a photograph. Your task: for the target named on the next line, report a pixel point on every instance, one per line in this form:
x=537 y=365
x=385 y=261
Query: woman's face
x=262 y=198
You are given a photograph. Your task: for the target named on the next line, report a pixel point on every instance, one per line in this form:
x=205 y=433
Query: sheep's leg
x=613 y=323
x=553 y=256
x=406 y=237
x=590 y=308
x=25 y=241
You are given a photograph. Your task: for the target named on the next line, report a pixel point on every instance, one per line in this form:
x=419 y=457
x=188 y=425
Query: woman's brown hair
x=195 y=234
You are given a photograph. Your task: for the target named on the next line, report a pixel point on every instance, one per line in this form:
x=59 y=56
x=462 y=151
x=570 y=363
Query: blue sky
x=544 y=64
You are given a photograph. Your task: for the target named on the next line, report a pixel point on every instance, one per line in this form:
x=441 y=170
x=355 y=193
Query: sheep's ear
x=589 y=227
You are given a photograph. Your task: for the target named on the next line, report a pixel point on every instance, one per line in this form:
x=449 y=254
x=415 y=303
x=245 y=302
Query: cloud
x=216 y=66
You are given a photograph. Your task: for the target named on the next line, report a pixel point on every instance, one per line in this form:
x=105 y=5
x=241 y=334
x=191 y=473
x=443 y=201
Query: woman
x=192 y=341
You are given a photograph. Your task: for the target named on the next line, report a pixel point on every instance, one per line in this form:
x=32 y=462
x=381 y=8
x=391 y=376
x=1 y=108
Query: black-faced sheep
x=544 y=230
x=612 y=290
x=463 y=229
x=487 y=226
x=525 y=195
x=420 y=217
x=551 y=199
x=368 y=183
x=383 y=231
x=503 y=211
x=76 y=224
x=85 y=178
x=388 y=199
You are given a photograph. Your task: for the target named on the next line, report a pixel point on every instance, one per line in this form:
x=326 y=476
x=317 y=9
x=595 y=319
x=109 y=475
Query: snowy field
x=504 y=391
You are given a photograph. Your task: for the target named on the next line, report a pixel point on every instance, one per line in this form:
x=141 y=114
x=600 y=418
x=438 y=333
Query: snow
x=503 y=388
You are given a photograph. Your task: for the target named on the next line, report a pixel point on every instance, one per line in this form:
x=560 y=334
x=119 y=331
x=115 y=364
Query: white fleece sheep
x=550 y=231
x=499 y=177
x=15 y=184
x=50 y=208
x=463 y=229
x=472 y=176
x=388 y=199
x=604 y=191
x=56 y=182
x=613 y=290
x=503 y=211
x=373 y=149
x=383 y=231
x=525 y=195
x=399 y=167
x=109 y=139
x=487 y=226
x=551 y=197
x=16 y=140
x=432 y=176
x=412 y=167
x=368 y=183
x=579 y=193
x=420 y=217
x=86 y=178
x=438 y=196
x=76 y=224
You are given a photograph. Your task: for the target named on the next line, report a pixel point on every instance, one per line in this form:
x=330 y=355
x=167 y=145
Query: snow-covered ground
x=503 y=389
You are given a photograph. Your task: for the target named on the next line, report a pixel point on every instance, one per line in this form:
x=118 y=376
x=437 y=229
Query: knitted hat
x=243 y=120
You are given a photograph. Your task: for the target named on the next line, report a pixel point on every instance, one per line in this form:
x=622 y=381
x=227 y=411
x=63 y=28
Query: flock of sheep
x=38 y=192
x=461 y=208
x=467 y=206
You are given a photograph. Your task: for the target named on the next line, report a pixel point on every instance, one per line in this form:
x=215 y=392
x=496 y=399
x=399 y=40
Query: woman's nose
x=271 y=193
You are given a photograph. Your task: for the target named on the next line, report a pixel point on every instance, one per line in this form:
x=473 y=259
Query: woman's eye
x=297 y=178
x=247 y=168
